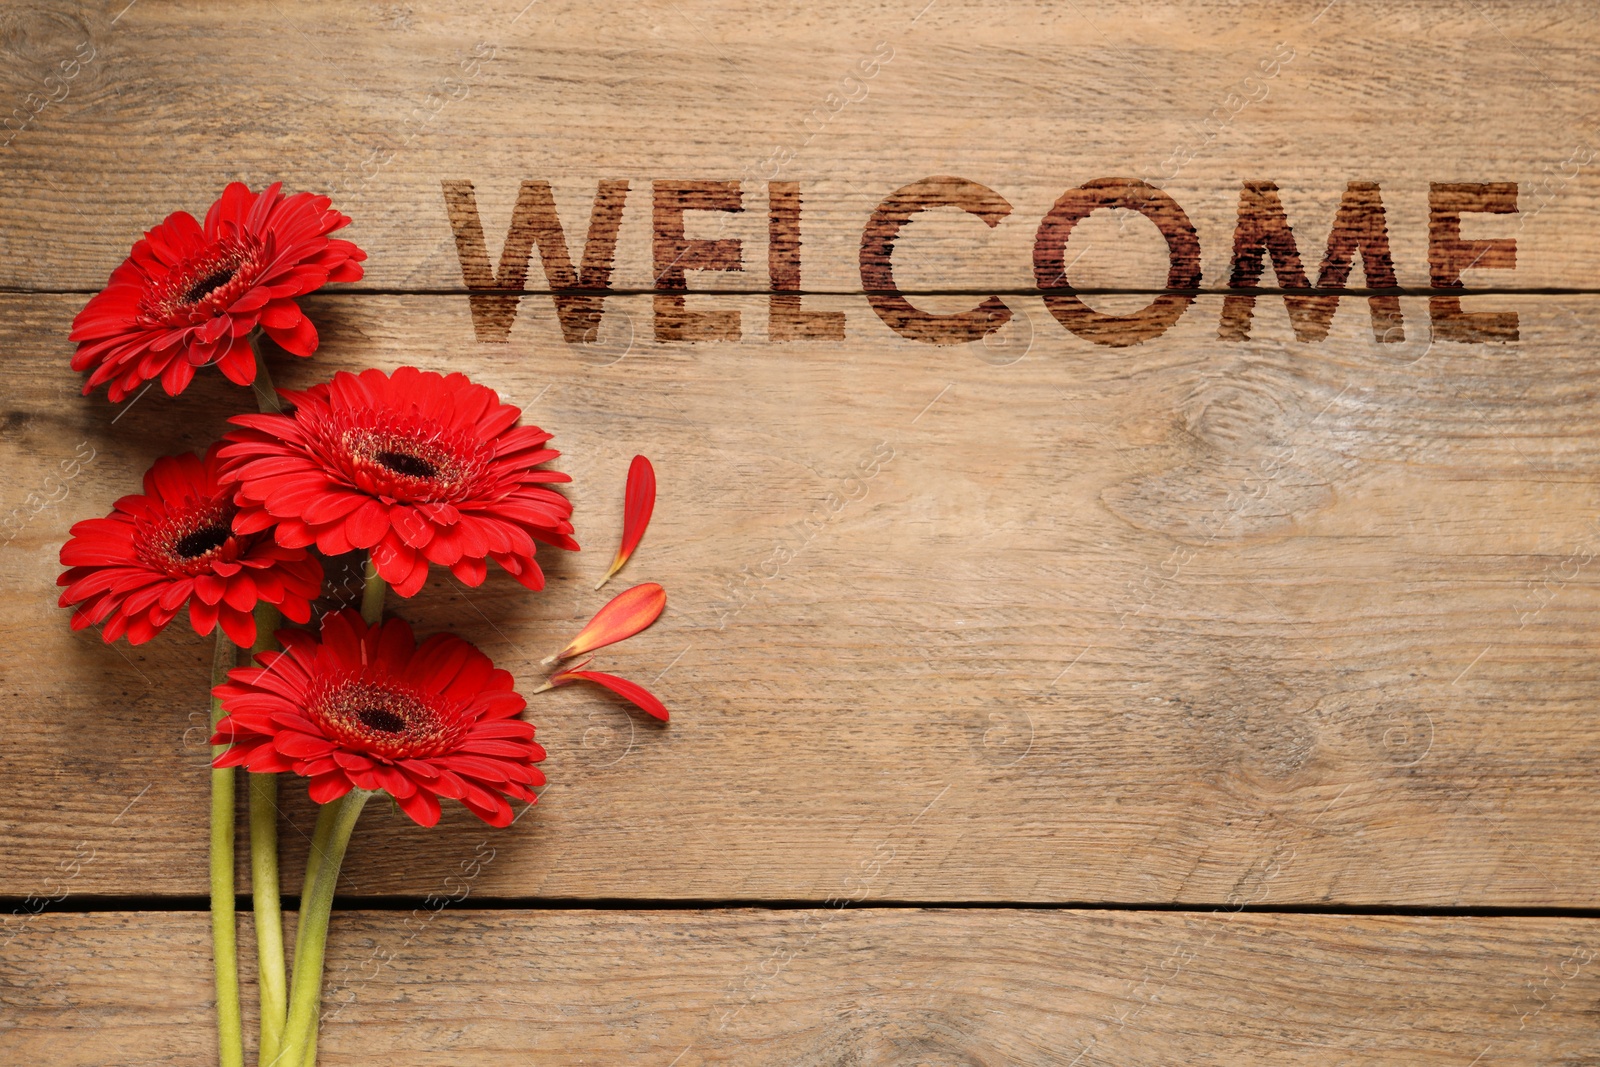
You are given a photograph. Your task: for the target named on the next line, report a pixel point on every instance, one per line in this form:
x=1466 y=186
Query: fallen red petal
x=632 y=692
x=625 y=615
x=638 y=505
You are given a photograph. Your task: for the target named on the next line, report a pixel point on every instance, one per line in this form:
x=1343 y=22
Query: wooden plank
x=1189 y=621
x=841 y=986
x=165 y=103
x=1247 y=602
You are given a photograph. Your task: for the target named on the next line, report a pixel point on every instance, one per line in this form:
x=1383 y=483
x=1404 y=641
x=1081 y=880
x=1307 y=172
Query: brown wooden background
x=1199 y=701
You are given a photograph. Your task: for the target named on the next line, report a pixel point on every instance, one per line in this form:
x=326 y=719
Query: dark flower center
x=202 y=541
x=407 y=464
x=404 y=456
x=208 y=285
x=382 y=719
x=385 y=719
x=191 y=538
x=205 y=283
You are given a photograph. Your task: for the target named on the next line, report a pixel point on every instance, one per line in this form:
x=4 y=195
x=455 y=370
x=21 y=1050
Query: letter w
x=534 y=222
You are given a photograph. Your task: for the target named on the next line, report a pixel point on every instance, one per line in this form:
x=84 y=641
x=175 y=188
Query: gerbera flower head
x=418 y=467
x=368 y=708
x=189 y=294
x=134 y=569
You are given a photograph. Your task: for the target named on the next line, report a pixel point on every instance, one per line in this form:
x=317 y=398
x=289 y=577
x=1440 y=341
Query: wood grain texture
x=843 y=987
x=1140 y=598
x=1194 y=621
x=850 y=100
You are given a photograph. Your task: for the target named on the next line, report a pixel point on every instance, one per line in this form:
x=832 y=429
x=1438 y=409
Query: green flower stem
x=327 y=814
x=311 y=1042
x=272 y=975
x=266 y=396
x=224 y=936
x=273 y=979
x=335 y=823
x=372 y=595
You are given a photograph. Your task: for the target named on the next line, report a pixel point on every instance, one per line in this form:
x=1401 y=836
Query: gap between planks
x=95 y=904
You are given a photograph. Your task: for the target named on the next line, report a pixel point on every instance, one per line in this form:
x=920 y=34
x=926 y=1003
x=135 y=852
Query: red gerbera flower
x=135 y=568
x=418 y=467
x=367 y=708
x=188 y=295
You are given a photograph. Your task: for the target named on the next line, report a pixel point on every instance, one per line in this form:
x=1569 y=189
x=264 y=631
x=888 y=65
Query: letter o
x=1183 y=252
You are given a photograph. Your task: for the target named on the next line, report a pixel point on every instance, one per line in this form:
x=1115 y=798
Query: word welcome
x=1261 y=236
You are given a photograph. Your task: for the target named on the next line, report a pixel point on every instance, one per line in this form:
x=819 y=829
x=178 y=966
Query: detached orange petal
x=626 y=614
x=637 y=507
x=632 y=692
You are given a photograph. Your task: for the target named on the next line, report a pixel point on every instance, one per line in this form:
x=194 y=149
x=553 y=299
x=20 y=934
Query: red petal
x=238 y=363
x=422 y=806
x=240 y=626
x=639 y=503
x=632 y=692
x=366 y=525
x=301 y=746
x=329 y=787
x=176 y=378
x=470 y=571
x=626 y=614
x=281 y=315
x=299 y=340
x=202 y=616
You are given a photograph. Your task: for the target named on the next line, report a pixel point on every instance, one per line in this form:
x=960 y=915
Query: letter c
x=877 y=273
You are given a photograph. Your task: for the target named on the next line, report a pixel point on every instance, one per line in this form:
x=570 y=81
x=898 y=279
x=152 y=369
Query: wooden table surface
x=1079 y=651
